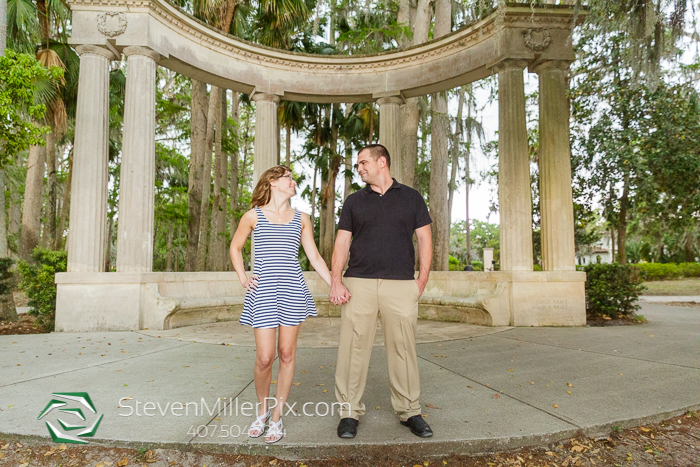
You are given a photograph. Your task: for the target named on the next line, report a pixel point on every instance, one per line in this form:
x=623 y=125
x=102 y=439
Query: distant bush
x=478 y=265
x=536 y=267
x=612 y=290
x=37 y=281
x=454 y=264
x=668 y=271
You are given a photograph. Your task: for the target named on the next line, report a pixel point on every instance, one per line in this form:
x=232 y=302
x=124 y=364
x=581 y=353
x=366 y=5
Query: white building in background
x=601 y=249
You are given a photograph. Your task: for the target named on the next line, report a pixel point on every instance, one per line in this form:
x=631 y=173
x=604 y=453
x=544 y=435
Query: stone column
x=390 y=131
x=556 y=199
x=137 y=184
x=514 y=197
x=266 y=133
x=88 y=214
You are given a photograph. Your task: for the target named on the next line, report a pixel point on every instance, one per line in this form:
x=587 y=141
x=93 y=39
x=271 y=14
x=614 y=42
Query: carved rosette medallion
x=111 y=23
x=537 y=39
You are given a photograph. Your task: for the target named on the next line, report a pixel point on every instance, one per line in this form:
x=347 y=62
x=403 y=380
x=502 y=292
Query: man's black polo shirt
x=382 y=231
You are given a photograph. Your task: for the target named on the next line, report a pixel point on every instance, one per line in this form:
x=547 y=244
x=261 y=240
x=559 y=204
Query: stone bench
x=166 y=300
x=475 y=309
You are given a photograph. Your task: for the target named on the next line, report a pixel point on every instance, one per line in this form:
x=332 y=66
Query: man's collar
x=396 y=184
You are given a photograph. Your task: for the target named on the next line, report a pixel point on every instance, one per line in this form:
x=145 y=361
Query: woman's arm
x=245 y=227
x=307 y=241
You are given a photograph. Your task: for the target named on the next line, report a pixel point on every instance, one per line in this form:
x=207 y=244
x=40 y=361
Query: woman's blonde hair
x=263 y=190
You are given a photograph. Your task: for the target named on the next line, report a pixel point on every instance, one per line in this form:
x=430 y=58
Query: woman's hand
x=250 y=283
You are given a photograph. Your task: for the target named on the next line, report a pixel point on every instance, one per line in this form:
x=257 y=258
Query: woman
x=277 y=296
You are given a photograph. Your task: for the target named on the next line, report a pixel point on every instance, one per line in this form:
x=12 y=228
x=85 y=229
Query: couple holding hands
x=376 y=230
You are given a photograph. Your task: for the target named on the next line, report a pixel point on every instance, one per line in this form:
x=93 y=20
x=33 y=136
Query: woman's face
x=285 y=184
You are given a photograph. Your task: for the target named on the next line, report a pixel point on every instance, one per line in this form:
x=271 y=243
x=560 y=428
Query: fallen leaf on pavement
x=556 y=406
x=431 y=406
x=123 y=462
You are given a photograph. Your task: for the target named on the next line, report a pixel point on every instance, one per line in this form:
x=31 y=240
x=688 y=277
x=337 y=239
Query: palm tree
x=291 y=117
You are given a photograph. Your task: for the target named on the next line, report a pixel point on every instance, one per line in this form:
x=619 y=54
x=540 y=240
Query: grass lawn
x=677 y=287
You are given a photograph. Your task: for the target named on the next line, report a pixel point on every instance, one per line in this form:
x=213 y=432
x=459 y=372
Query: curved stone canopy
x=189 y=47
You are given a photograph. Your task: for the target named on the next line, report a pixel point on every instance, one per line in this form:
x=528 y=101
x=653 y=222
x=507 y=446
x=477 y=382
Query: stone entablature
x=195 y=49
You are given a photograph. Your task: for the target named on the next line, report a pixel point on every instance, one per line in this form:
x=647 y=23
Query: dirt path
x=674 y=442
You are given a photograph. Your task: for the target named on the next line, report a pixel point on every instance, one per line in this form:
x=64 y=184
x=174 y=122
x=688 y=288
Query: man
x=376 y=227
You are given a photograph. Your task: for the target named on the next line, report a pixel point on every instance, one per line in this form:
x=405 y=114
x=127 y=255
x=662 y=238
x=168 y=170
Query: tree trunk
x=411 y=111
x=14 y=216
x=65 y=204
x=234 y=172
x=176 y=266
x=4 y=252
x=689 y=247
x=403 y=17
x=313 y=198
x=50 y=228
x=31 y=212
x=198 y=128
x=3 y=27
x=440 y=127
x=456 y=136
x=217 y=239
x=468 y=228
x=169 y=256
x=213 y=111
x=409 y=150
x=622 y=227
x=110 y=232
x=288 y=147
x=328 y=197
x=371 y=123
x=612 y=243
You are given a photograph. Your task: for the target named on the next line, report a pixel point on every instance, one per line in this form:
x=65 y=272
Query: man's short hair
x=377 y=151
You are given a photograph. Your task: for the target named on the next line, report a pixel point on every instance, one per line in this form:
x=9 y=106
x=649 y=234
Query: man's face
x=367 y=167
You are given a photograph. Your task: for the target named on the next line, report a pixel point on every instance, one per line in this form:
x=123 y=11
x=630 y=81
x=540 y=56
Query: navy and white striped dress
x=281 y=297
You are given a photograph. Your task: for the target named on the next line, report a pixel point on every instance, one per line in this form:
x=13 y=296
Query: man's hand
x=339 y=294
x=421 y=286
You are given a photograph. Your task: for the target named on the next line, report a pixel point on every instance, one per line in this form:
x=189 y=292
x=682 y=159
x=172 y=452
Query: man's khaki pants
x=397 y=304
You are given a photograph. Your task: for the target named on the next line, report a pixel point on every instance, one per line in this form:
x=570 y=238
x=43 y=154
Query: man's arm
x=339 y=294
x=425 y=255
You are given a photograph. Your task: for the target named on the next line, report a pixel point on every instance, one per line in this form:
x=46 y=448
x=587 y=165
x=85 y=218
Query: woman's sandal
x=275 y=432
x=257 y=428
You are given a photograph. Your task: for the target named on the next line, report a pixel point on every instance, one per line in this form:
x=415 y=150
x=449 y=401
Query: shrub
x=690 y=269
x=612 y=290
x=454 y=264
x=37 y=280
x=659 y=271
x=478 y=265
x=668 y=271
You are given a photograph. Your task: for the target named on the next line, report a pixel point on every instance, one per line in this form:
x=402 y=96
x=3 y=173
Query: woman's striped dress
x=281 y=297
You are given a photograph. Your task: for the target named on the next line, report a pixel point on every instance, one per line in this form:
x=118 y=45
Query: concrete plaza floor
x=483 y=389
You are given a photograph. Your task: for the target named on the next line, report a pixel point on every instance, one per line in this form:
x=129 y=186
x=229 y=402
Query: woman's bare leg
x=287 y=351
x=264 y=357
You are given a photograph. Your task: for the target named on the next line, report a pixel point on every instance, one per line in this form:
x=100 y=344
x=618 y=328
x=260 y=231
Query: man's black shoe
x=347 y=428
x=418 y=426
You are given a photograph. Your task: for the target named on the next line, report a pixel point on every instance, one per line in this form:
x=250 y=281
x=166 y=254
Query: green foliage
x=37 y=281
x=612 y=290
x=665 y=271
x=454 y=264
x=19 y=76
